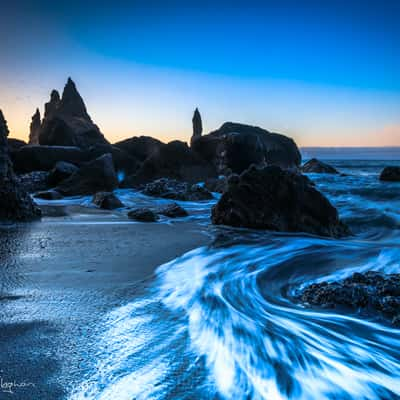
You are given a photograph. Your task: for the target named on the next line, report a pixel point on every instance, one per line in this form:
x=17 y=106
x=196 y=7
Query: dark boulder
x=67 y=123
x=61 y=171
x=123 y=161
x=139 y=147
x=373 y=293
x=143 y=215
x=173 y=160
x=34 y=181
x=95 y=176
x=34 y=129
x=48 y=195
x=44 y=158
x=15 y=202
x=176 y=190
x=390 y=174
x=173 y=210
x=234 y=147
x=279 y=200
x=107 y=200
x=218 y=185
x=318 y=167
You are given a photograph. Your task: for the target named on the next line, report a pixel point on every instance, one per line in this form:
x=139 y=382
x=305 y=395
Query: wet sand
x=58 y=279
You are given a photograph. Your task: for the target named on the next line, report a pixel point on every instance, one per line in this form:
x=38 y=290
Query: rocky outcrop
x=95 y=176
x=177 y=190
x=61 y=171
x=174 y=160
x=318 y=167
x=373 y=293
x=275 y=199
x=139 y=147
x=67 y=123
x=218 y=185
x=107 y=201
x=390 y=174
x=35 y=128
x=143 y=215
x=197 y=125
x=234 y=147
x=15 y=203
x=44 y=158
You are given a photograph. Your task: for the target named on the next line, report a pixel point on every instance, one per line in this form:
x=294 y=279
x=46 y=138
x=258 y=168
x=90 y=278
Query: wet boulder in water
x=143 y=215
x=173 y=210
x=177 y=190
x=94 y=176
x=61 y=171
x=375 y=293
x=390 y=174
x=275 y=199
x=15 y=202
x=218 y=185
x=234 y=147
x=107 y=201
x=318 y=167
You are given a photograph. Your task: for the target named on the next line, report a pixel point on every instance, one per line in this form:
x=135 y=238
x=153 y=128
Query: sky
x=324 y=73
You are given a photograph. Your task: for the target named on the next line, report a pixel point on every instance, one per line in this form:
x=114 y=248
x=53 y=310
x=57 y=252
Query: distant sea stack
x=197 y=125
x=15 y=203
x=35 y=128
x=66 y=121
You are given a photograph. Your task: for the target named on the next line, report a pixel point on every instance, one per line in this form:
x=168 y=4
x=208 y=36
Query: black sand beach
x=60 y=277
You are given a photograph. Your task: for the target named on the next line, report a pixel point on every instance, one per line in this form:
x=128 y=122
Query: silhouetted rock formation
x=66 y=121
x=61 y=171
x=218 y=185
x=107 y=200
x=390 y=174
x=35 y=128
x=197 y=125
x=95 y=176
x=44 y=158
x=372 y=292
x=173 y=189
x=52 y=106
x=318 y=167
x=139 y=147
x=279 y=200
x=15 y=203
x=173 y=160
x=234 y=147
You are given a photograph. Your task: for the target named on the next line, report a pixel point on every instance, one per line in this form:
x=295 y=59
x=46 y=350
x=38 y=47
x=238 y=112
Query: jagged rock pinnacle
x=197 y=124
x=35 y=128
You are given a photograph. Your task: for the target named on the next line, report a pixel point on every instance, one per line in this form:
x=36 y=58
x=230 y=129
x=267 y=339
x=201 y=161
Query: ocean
x=220 y=322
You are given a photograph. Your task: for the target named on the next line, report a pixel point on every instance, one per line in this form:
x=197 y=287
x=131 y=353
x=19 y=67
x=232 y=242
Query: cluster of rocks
x=172 y=210
x=372 y=293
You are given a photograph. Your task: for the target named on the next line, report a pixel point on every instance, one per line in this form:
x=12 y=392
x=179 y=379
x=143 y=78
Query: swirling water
x=220 y=321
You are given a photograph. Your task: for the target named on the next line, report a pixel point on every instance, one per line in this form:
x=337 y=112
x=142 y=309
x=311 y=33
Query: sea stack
x=35 y=128
x=197 y=125
x=66 y=121
x=15 y=203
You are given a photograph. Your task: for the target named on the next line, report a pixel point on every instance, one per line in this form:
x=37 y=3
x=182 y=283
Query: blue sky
x=326 y=73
